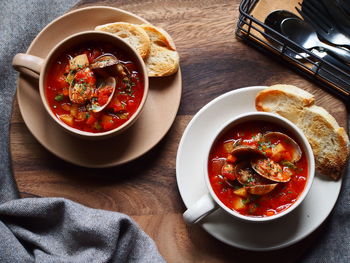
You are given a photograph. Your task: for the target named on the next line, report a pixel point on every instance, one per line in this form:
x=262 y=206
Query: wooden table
x=213 y=62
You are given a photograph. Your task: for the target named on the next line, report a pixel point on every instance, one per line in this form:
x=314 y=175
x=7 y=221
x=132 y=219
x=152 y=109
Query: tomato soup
x=257 y=169
x=94 y=87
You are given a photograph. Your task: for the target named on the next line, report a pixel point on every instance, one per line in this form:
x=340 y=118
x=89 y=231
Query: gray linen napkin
x=52 y=229
x=59 y=230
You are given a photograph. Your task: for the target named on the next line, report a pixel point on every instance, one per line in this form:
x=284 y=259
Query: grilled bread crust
x=132 y=34
x=329 y=142
x=163 y=59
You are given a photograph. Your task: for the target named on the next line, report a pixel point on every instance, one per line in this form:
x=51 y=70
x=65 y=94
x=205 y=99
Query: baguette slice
x=132 y=34
x=163 y=59
x=329 y=142
x=285 y=100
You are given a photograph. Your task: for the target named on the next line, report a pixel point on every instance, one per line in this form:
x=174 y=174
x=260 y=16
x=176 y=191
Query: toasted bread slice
x=132 y=34
x=286 y=100
x=159 y=36
x=329 y=142
x=163 y=59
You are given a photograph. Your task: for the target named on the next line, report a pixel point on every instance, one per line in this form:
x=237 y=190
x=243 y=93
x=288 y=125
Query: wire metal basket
x=324 y=73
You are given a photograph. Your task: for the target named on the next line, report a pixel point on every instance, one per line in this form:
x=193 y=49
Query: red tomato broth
x=125 y=101
x=279 y=199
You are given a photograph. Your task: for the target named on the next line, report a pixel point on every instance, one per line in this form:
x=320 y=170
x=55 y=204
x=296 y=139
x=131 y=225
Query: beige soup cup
x=41 y=66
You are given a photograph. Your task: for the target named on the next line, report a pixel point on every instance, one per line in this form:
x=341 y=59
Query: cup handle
x=203 y=207
x=27 y=61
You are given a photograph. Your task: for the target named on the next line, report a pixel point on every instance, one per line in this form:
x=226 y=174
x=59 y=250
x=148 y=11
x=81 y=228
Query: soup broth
x=255 y=170
x=76 y=86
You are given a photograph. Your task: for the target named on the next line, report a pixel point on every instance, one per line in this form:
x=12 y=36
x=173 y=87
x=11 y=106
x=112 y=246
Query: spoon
x=274 y=20
x=304 y=35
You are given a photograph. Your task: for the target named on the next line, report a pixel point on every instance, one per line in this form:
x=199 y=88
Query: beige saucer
x=156 y=119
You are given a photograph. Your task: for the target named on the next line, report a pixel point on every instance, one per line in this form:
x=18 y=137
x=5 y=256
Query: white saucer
x=259 y=237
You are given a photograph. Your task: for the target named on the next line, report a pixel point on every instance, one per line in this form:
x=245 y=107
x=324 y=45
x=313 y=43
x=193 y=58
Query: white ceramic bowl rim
x=273 y=118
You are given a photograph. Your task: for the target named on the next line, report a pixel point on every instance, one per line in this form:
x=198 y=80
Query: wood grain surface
x=213 y=62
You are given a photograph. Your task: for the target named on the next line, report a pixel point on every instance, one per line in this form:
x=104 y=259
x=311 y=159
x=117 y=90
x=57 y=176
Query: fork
x=315 y=15
x=338 y=14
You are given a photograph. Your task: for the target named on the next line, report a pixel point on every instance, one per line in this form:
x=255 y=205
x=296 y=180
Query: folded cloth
x=59 y=230
x=52 y=229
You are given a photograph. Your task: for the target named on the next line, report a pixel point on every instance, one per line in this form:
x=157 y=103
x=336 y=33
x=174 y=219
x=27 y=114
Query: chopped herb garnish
x=255 y=137
x=250 y=180
x=263 y=146
x=59 y=97
x=289 y=164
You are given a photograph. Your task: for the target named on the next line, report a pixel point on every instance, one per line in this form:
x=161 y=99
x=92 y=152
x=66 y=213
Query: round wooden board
x=213 y=62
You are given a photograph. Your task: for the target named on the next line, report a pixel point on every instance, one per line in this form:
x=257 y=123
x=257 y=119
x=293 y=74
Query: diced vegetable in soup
x=257 y=169
x=94 y=87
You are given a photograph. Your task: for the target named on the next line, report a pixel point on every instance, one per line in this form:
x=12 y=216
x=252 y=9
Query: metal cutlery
x=315 y=14
x=304 y=35
x=274 y=21
x=339 y=16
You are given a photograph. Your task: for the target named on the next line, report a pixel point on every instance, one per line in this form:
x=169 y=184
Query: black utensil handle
x=341 y=19
x=338 y=63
